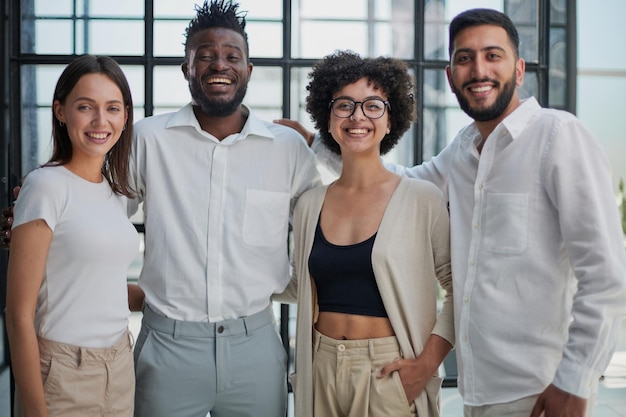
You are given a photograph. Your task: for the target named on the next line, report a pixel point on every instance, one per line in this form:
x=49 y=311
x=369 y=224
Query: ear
x=250 y=67
x=449 y=76
x=57 y=108
x=520 y=70
x=184 y=67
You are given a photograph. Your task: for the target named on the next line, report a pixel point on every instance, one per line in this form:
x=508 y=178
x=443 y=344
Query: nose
x=218 y=64
x=358 y=112
x=98 y=117
x=479 y=68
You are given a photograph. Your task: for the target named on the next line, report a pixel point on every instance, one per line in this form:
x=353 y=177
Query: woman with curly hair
x=370 y=249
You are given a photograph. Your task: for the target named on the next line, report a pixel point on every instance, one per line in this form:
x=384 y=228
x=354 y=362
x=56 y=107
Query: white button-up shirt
x=216 y=213
x=538 y=258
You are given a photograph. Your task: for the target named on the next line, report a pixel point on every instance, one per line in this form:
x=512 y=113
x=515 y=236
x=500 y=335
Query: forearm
x=25 y=364
x=135 y=297
x=434 y=352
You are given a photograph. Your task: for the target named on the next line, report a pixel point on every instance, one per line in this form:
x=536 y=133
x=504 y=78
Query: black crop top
x=344 y=277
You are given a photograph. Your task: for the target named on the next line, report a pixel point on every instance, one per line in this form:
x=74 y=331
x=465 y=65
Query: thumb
x=538 y=408
x=389 y=368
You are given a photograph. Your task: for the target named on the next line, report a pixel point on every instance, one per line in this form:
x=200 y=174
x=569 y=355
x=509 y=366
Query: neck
x=221 y=126
x=90 y=170
x=362 y=172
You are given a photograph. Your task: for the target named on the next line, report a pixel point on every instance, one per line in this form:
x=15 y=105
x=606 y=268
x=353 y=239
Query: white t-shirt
x=83 y=298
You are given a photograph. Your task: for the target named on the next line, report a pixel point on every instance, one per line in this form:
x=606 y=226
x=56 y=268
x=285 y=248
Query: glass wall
x=286 y=37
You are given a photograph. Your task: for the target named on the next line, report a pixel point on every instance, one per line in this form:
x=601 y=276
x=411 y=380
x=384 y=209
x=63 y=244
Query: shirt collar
x=514 y=123
x=254 y=127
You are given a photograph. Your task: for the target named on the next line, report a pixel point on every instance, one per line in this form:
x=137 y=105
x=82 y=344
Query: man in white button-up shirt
x=538 y=258
x=218 y=186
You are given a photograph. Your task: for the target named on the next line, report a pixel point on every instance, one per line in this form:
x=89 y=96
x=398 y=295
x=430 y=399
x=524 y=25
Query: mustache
x=484 y=80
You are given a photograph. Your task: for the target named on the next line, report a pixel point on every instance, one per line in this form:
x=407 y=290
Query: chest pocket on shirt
x=266 y=218
x=506 y=223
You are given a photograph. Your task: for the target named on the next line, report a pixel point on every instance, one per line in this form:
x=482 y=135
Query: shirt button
x=465 y=338
x=472 y=262
x=476 y=225
x=466 y=299
x=220 y=329
x=341 y=348
x=480 y=186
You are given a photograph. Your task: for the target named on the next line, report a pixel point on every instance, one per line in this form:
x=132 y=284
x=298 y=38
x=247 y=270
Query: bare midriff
x=342 y=326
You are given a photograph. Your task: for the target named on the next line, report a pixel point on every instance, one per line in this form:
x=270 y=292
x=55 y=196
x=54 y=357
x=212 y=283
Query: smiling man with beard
x=218 y=186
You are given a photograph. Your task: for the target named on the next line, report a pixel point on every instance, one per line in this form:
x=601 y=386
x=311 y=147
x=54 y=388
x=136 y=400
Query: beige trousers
x=519 y=408
x=81 y=382
x=345 y=382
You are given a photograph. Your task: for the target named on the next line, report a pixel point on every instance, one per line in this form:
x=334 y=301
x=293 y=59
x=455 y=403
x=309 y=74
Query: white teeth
x=357 y=131
x=481 y=89
x=98 y=135
x=219 y=81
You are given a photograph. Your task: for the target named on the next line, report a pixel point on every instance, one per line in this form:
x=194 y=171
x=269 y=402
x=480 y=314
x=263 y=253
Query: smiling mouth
x=481 y=89
x=98 y=135
x=357 y=131
x=219 y=81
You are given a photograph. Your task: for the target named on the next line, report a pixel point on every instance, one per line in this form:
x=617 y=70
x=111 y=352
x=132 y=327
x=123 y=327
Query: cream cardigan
x=411 y=254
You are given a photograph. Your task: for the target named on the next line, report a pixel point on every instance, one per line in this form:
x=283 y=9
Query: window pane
x=558 y=12
x=266 y=9
x=52 y=8
x=530 y=86
x=324 y=37
x=169 y=37
x=179 y=8
x=264 y=94
x=265 y=39
x=116 y=37
x=116 y=8
x=61 y=43
x=171 y=90
x=607 y=120
x=558 y=68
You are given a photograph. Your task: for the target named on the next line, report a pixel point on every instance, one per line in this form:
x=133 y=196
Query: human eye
x=374 y=105
x=344 y=105
x=462 y=58
x=115 y=109
x=83 y=107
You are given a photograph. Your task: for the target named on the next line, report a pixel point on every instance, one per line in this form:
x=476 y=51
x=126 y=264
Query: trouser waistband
x=80 y=354
x=179 y=328
x=366 y=347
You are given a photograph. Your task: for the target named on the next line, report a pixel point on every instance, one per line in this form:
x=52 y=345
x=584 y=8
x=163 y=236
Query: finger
x=16 y=191
x=538 y=408
x=389 y=368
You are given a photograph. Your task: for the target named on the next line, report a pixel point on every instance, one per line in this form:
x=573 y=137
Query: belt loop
x=176 y=329
x=318 y=340
x=79 y=360
x=131 y=341
x=372 y=351
x=245 y=325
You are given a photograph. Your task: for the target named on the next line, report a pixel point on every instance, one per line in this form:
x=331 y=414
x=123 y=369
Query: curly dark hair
x=341 y=68
x=217 y=14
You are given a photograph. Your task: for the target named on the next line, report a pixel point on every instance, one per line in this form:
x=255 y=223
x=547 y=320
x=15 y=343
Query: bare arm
x=135 y=297
x=29 y=249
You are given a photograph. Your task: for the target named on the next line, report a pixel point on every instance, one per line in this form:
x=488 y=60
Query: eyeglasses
x=373 y=108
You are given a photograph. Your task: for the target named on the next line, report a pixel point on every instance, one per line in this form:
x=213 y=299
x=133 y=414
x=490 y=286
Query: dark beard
x=496 y=109
x=216 y=108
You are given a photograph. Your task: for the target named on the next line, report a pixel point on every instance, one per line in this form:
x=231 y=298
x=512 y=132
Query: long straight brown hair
x=115 y=167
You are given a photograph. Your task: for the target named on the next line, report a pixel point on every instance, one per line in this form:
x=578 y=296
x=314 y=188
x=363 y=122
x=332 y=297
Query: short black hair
x=217 y=14
x=341 y=68
x=479 y=17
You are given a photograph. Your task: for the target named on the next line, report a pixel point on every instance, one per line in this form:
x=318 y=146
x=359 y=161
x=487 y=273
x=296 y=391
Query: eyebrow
x=365 y=99
x=116 y=101
x=486 y=48
x=212 y=45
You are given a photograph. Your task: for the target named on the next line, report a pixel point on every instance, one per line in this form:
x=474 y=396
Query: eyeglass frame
x=385 y=102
